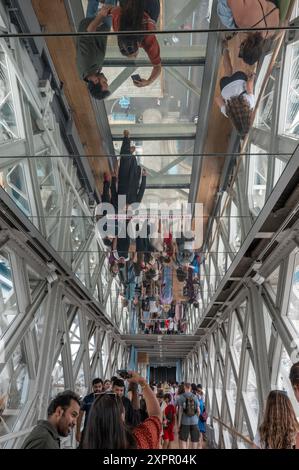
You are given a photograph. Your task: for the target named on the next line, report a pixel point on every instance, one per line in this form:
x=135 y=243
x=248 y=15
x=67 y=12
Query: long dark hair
x=252 y=48
x=239 y=112
x=132 y=13
x=294 y=374
x=131 y=19
x=105 y=427
x=279 y=427
x=137 y=265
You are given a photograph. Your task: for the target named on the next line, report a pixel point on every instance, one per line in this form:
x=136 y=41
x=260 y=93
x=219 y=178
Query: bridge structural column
x=259 y=343
x=133 y=359
x=179 y=371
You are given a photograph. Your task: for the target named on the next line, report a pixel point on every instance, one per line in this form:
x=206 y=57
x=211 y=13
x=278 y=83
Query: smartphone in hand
x=124 y=374
x=136 y=78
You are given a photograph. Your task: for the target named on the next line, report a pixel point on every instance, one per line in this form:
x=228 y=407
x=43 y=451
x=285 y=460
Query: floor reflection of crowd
x=148 y=291
x=145 y=255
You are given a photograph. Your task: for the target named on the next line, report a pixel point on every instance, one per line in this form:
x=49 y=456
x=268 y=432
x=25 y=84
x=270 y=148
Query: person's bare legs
x=171 y=445
x=183 y=444
x=193 y=445
x=228 y=68
x=165 y=444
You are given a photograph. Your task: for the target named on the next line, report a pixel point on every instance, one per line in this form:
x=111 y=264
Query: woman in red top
x=168 y=423
x=168 y=243
x=106 y=427
x=138 y=15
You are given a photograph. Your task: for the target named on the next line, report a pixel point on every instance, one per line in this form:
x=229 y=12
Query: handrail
x=234 y=432
x=145 y=32
x=15 y=435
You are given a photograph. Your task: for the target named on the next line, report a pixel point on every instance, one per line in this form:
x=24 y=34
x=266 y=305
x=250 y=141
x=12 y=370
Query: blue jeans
x=92 y=10
x=225 y=14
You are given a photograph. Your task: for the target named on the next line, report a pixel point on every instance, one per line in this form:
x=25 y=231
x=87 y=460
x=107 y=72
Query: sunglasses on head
x=129 y=50
x=284 y=392
x=127 y=47
x=99 y=74
x=108 y=394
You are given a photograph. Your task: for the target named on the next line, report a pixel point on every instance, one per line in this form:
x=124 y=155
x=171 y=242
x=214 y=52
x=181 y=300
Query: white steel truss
x=252 y=341
x=50 y=336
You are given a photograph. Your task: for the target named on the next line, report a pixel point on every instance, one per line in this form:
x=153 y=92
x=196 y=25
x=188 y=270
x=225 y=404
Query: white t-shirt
x=153 y=307
x=189 y=245
x=156 y=239
x=235 y=89
x=157 y=243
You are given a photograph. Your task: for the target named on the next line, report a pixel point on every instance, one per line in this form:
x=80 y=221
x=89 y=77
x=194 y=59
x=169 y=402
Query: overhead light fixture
x=258 y=279
x=264 y=235
x=52 y=277
x=51 y=266
x=257 y=265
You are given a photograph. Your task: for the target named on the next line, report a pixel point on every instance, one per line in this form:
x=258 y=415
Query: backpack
x=190 y=406
x=203 y=416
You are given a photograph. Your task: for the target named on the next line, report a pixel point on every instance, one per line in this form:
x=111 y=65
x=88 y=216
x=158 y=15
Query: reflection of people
x=237 y=99
x=250 y=14
x=91 y=50
x=129 y=173
x=138 y=15
x=109 y=196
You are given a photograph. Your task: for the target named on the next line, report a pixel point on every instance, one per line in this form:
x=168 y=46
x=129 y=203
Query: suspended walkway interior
x=63 y=320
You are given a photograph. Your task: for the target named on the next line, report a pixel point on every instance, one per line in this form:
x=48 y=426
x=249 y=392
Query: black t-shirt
x=123 y=245
x=132 y=417
x=86 y=406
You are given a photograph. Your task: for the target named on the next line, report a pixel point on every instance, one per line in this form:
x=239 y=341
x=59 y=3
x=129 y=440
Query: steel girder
x=43 y=312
